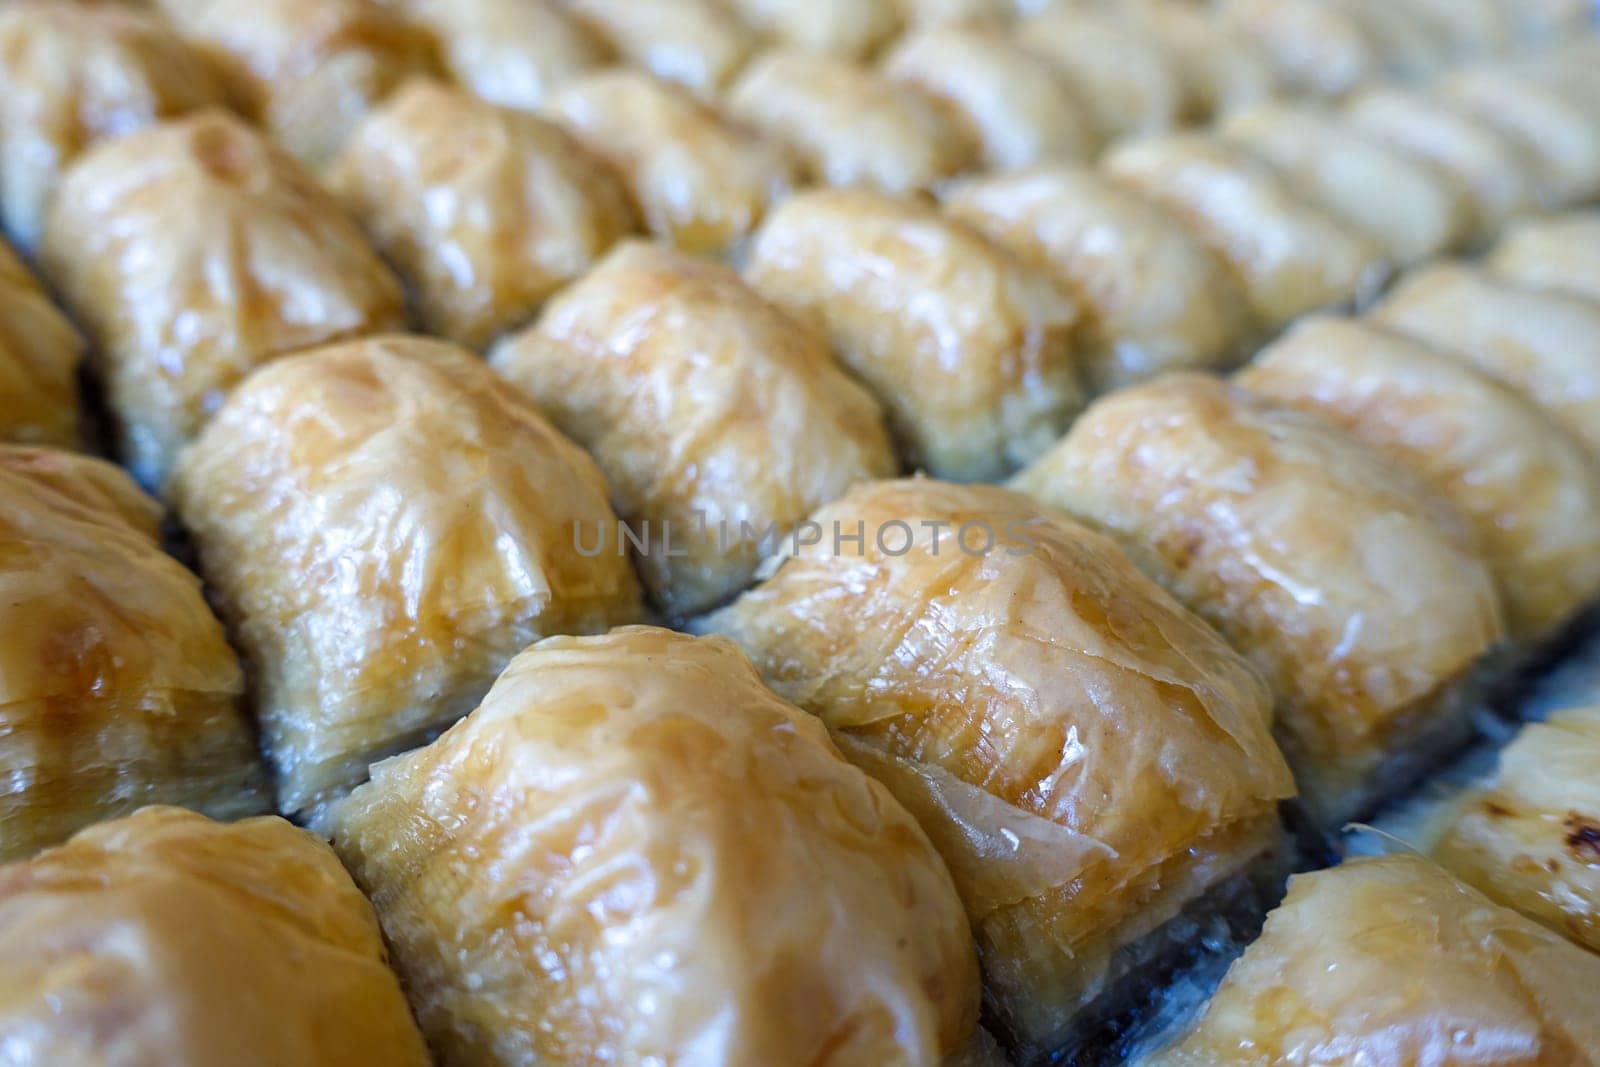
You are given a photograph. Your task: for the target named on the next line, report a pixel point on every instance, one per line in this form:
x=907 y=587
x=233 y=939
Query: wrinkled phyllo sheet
x=117 y=687
x=166 y=938
x=719 y=421
x=1560 y=253
x=1392 y=961
x=1088 y=756
x=192 y=252
x=72 y=74
x=39 y=356
x=697 y=179
x=697 y=43
x=485 y=211
x=634 y=852
x=1290 y=256
x=384 y=524
x=1528 y=489
x=850 y=125
x=1348 y=583
x=1544 y=344
x=305 y=69
x=1530 y=838
x=969 y=347
x=1153 y=296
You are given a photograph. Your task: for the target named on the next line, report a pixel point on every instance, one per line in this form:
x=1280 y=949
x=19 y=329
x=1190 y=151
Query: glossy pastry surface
x=1556 y=252
x=39 y=355
x=1545 y=344
x=1292 y=258
x=1409 y=208
x=1087 y=755
x=306 y=69
x=1345 y=582
x=696 y=43
x=850 y=125
x=164 y=937
x=1154 y=298
x=72 y=74
x=1527 y=488
x=485 y=211
x=190 y=253
x=117 y=686
x=634 y=819
x=384 y=524
x=720 y=421
x=968 y=347
x=1128 y=84
x=514 y=53
x=1530 y=838
x=699 y=180
x=1391 y=960
x=1017 y=107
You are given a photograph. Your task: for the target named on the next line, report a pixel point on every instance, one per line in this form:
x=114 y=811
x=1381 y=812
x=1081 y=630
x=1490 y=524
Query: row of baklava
x=386 y=523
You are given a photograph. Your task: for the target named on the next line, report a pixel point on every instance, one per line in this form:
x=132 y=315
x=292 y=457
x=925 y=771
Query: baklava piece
x=1560 y=253
x=697 y=43
x=164 y=937
x=385 y=523
x=72 y=74
x=514 y=53
x=1346 y=582
x=1412 y=210
x=1527 y=488
x=1014 y=104
x=1290 y=257
x=1545 y=344
x=1127 y=83
x=306 y=69
x=1499 y=180
x=1317 y=49
x=1561 y=138
x=849 y=125
x=968 y=347
x=633 y=852
x=850 y=29
x=39 y=356
x=1390 y=960
x=1530 y=838
x=1153 y=297
x=485 y=211
x=192 y=252
x=117 y=686
x=698 y=179
x=1089 y=758
x=720 y=421
x=1219 y=69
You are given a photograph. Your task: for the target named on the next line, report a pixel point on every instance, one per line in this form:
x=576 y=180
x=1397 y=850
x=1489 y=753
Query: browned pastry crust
x=634 y=852
x=117 y=687
x=385 y=523
x=39 y=356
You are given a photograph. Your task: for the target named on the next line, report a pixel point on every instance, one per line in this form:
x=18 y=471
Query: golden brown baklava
x=1527 y=488
x=1127 y=83
x=165 y=938
x=632 y=851
x=117 y=686
x=1154 y=298
x=1343 y=579
x=1556 y=252
x=1392 y=961
x=193 y=251
x=696 y=43
x=699 y=180
x=484 y=210
x=968 y=347
x=72 y=74
x=1089 y=758
x=850 y=29
x=720 y=421
x=39 y=356
x=385 y=523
